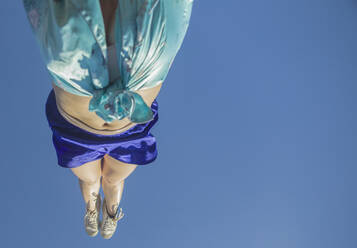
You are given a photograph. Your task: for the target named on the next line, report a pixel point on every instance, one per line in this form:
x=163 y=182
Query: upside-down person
x=107 y=60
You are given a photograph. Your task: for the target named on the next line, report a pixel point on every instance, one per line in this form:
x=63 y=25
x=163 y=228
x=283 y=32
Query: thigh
x=115 y=171
x=89 y=172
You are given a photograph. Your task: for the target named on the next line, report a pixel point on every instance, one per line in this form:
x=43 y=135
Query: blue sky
x=256 y=137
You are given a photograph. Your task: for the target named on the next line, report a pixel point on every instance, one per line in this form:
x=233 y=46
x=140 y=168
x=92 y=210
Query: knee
x=113 y=180
x=89 y=173
x=90 y=179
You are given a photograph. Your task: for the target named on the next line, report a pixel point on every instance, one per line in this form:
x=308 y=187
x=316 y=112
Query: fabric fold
x=72 y=39
x=116 y=103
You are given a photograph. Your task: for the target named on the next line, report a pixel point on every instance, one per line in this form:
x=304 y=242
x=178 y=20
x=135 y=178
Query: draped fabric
x=71 y=35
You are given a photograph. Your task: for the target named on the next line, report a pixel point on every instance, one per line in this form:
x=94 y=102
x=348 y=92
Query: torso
x=74 y=108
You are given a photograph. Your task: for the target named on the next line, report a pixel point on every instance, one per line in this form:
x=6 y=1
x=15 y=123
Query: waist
x=78 y=123
x=74 y=109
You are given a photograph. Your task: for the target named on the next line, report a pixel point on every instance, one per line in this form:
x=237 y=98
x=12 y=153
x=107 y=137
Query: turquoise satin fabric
x=148 y=35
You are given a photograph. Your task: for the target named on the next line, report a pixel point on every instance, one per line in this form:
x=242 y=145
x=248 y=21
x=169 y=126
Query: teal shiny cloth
x=148 y=35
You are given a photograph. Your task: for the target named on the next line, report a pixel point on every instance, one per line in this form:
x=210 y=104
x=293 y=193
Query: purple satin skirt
x=75 y=146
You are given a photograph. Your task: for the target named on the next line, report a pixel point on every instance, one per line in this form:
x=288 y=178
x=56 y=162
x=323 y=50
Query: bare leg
x=89 y=181
x=114 y=174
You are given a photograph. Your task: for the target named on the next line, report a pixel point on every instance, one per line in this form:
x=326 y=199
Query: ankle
x=112 y=211
x=91 y=205
x=90 y=208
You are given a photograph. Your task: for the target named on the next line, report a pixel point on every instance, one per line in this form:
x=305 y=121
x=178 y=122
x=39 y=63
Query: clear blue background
x=257 y=136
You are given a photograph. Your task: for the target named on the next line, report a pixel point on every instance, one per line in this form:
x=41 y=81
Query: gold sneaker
x=91 y=218
x=109 y=224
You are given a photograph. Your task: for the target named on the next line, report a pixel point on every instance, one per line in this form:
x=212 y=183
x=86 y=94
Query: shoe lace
x=110 y=222
x=92 y=217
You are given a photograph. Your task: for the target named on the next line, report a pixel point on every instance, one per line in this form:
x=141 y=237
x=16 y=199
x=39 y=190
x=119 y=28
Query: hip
x=59 y=124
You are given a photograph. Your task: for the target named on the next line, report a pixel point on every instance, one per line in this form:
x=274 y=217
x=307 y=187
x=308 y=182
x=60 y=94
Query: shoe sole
x=93 y=234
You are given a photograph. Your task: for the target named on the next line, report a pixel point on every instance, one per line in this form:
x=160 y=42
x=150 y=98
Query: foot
x=91 y=218
x=109 y=223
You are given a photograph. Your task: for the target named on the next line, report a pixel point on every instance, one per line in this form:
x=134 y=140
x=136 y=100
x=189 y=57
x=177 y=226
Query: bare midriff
x=74 y=108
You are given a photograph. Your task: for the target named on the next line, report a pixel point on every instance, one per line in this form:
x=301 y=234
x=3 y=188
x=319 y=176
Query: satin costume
x=72 y=40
